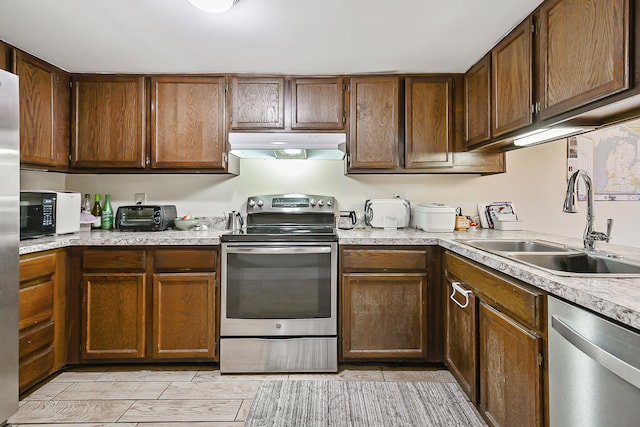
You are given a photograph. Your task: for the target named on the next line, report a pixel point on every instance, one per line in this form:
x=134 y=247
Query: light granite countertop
x=617 y=298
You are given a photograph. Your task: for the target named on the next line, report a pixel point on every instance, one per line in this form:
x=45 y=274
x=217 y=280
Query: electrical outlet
x=140 y=198
x=400 y=195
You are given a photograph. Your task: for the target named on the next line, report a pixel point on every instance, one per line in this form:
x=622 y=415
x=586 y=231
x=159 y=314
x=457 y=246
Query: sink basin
x=504 y=245
x=579 y=264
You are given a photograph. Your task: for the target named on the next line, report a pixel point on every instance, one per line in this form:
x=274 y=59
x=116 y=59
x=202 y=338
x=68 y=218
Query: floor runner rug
x=360 y=404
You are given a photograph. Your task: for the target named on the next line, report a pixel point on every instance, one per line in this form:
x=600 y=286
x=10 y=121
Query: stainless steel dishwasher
x=594 y=369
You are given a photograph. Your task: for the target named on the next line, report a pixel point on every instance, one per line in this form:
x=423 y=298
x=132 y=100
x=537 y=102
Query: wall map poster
x=611 y=156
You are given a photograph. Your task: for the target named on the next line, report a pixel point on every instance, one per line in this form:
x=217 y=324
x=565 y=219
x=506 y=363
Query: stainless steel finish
x=515 y=245
x=293 y=203
x=579 y=264
x=279 y=327
x=559 y=260
x=594 y=369
x=234 y=221
x=244 y=355
x=280 y=250
x=9 y=242
x=590 y=236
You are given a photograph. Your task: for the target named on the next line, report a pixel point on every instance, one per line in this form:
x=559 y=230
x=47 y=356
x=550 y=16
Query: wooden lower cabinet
x=384 y=316
x=113 y=321
x=385 y=304
x=461 y=354
x=184 y=315
x=42 y=346
x=495 y=342
x=510 y=371
x=148 y=304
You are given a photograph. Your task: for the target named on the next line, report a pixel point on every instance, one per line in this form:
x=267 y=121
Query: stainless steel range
x=279 y=287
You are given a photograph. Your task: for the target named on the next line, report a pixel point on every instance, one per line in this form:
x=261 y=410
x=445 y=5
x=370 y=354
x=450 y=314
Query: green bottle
x=107 y=213
x=97 y=212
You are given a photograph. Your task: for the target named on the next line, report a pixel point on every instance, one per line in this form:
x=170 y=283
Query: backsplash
x=535 y=182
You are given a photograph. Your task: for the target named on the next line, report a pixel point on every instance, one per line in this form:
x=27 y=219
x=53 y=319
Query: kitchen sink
x=504 y=245
x=579 y=264
x=557 y=259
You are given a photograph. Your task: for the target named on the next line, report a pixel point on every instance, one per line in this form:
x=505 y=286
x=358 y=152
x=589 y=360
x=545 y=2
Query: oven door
x=279 y=289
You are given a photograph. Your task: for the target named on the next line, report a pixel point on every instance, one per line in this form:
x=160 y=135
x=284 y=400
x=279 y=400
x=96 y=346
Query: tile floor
x=170 y=396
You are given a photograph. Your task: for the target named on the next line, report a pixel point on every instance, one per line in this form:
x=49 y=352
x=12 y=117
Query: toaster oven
x=145 y=217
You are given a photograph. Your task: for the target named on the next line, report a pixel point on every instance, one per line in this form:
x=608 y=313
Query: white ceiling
x=260 y=36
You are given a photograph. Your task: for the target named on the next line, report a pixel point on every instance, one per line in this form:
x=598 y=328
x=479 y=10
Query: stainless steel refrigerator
x=9 y=241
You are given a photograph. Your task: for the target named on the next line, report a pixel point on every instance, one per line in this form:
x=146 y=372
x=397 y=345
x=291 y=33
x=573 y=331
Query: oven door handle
x=281 y=250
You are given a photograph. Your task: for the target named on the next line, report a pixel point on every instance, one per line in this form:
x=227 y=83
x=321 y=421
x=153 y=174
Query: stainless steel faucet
x=590 y=236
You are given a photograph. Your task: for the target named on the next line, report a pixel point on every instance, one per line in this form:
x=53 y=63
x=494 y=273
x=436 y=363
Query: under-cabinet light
x=549 y=134
x=213 y=6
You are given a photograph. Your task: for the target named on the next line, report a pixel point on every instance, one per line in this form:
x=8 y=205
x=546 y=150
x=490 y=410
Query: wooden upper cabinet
x=5 y=56
x=477 y=102
x=187 y=122
x=108 y=122
x=257 y=103
x=584 y=49
x=429 y=122
x=374 y=123
x=317 y=103
x=512 y=80
x=44 y=112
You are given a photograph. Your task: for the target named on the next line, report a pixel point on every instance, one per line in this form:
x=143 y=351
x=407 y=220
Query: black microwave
x=37 y=214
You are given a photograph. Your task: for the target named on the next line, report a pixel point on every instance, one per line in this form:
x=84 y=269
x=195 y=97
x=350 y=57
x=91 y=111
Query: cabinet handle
x=457 y=288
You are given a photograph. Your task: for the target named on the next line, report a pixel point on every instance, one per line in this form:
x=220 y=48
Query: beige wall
x=535 y=182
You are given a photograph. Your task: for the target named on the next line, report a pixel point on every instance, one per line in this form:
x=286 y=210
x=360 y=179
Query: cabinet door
x=5 y=56
x=429 y=122
x=510 y=371
x=511 y=62
x=44 y=112
x=584 y=48
x=109 y=122
x=317 y=103
x=113 y=321
x=187 y=122
x=373 y=123
x=462 y=338
x=257 y=103
x=384 y=316
x=184 y=315
x=477 y=102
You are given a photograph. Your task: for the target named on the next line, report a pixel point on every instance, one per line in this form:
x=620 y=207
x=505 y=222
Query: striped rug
x=360 y=404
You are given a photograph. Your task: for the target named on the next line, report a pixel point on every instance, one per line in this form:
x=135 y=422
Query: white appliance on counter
x=435 y=217
x=384 y=213
x=67 y=212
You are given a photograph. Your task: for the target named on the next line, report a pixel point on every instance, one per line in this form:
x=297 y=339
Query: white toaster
x=396 y=211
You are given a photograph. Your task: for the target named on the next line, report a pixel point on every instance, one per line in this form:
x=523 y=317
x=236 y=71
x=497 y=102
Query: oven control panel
x=291 y=203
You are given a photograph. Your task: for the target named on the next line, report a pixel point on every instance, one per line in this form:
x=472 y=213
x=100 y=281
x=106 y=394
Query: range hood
x=325 y=146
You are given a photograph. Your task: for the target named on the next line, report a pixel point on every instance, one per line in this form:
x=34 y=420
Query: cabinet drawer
x=522 y=301
x=36 y=304
x=34 y=268
x=125 y=259
x=384 y=259
x=35 y=368
x=36 y=338
x=185 y=259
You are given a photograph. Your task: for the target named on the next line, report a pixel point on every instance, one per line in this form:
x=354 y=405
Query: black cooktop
x=288 y=233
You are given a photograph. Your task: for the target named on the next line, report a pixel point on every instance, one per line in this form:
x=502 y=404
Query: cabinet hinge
x=224 y=163
x=226 y=87
x=535 y=108
x=534 y=27
x=349 y=87
x=70 y=160
x=344 y=118
x=344 y=86
x=540 y=359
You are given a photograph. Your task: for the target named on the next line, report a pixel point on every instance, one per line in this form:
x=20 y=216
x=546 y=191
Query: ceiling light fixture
x=549 y=134
x=213 y=6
